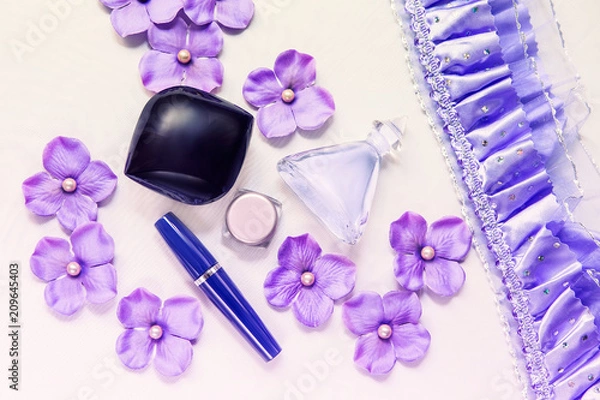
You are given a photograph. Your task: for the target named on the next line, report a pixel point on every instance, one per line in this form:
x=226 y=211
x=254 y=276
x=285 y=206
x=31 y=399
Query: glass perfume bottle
x=337 y=183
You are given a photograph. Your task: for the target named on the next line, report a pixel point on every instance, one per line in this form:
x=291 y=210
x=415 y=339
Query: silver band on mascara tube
x=209 y=272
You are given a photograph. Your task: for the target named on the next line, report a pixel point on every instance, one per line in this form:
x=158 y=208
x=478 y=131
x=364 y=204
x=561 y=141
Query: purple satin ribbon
x=500 y=117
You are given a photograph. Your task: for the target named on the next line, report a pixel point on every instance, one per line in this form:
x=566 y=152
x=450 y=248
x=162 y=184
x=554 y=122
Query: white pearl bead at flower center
x=288 y=95
x=69 y=185
x=384 y=331
x=427 y=253
x=73 y=268
x=155 y=332
x=184 y=56
x=307 y=279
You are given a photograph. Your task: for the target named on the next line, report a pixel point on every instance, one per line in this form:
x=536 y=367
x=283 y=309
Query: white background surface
x=81 y=80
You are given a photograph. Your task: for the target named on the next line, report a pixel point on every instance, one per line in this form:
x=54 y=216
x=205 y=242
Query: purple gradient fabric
x=130 y=17
x=477 y=63
x=310 y=107
x=68 y=159
x=179 y=319
x=450 y=240
x=160 y=67
x=233 y=14
x=312 y=304
x=93 y=250
x=409 y=341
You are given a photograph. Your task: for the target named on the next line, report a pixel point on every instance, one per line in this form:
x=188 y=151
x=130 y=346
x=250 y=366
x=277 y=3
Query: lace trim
x=532 y=352
x=558 y=130
x=480 y=243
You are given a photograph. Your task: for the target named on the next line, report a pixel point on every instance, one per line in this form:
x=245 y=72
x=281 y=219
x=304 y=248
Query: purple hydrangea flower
x=309 y=280
x=388 y=329
x=234 y=14
x=183 y=54
x=167 y=327
x=72 y=185
x=78 y=270
x=287 y=97
x=430 y=256
x=130 y=17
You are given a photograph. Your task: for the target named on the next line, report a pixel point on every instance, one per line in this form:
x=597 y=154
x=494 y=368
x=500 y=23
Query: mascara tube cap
x=195 y=258
x=217 y=285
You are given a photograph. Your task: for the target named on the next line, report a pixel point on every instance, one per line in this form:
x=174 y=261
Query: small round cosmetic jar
x=252 y=218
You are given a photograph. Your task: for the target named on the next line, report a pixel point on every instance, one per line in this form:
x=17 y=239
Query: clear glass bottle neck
x=387 y=135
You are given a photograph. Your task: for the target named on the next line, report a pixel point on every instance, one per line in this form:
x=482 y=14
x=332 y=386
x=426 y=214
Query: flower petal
x=65 y=295
x=173 y=355
x=363 y=313
x=43 y=194
x=76 y=210
x=234 y=14
x=50 y=258
x=204 y=74
x=139 y=309
x=276 y=120
x=261 y=87
x=411 y=341
x=206 y=40
x=182 y=317
x=100 y=283
x=97 y=181
x=160 y=70
x=407 y=234
x=401 y=307
x=408 y=269
x=374 y=354
x=201 y=12
x=335 y=275
x=65 y=157
x=115 y=3
x=92 y=245
x=164 y=11
x=282 y=286
x=134 y=348
x=444 y=277
x=130 y=19
x=312 y=307
x=168 y=38
x=450 y=237
x=295 y=70
x=312 y=107
x=299 y=253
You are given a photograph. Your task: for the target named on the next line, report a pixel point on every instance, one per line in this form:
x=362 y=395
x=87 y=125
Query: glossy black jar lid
x=189 y=145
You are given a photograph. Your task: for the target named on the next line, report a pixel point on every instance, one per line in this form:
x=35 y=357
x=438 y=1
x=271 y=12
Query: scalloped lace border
x=469 y=164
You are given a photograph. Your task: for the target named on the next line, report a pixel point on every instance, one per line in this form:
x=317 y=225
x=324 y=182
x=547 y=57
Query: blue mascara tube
x=212 y=279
